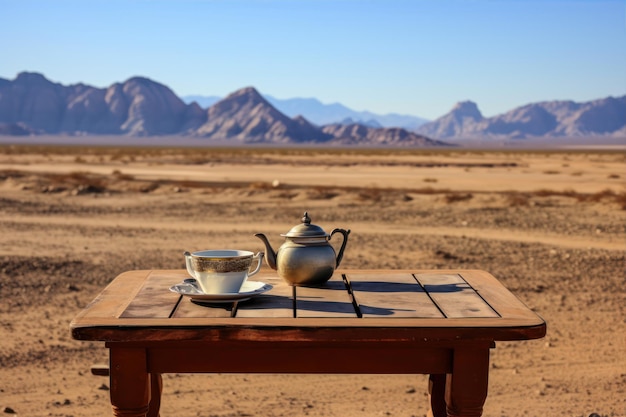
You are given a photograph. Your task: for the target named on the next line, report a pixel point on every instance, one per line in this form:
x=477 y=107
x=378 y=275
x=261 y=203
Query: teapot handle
x=345 y=234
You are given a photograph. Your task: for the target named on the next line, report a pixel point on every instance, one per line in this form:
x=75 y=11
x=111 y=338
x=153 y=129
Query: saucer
x=189 y=288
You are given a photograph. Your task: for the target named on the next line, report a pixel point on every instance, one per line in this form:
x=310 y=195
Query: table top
x=355 y=305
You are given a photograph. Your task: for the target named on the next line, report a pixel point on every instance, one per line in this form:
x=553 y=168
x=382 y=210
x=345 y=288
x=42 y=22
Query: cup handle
x=259 y=258
x=188 y=264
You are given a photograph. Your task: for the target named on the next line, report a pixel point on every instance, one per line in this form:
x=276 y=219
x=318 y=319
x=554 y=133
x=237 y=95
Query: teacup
x=222 y=271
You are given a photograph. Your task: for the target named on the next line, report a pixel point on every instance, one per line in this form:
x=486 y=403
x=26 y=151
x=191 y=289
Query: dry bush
x=83 y=181
x=10 y=173
x=621 y=200
x=604 y=195
x=287 y=195
x=189 y=184
x=456 y=197
x=261 y=185
x=370 y=194
x=515 y=199
x=149 y=187
x=119 y=175
x=428 y=190
x=322 y=193
x=598 y=197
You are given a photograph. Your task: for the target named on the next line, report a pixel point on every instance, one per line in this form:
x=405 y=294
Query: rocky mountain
x=603 y=117
x=31 y=104
x=138 y=107
x=322 y=114
x=353 y=134
x=246 y=116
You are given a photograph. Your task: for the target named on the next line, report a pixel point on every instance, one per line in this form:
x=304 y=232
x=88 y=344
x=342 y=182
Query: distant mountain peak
x=31 y=78
x=249 y=93
x=140 y=80
x=467 y=109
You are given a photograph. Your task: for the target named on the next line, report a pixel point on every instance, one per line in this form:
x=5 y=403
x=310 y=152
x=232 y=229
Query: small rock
x=103 y=387
x=72 y=287
x=364 y=388
x=410 y=391
x=9 y=410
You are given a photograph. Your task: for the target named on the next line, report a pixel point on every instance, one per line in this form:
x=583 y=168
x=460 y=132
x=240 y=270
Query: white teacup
x=222 y=271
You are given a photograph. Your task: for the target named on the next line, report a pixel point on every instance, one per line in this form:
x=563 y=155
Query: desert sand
x=550 y=225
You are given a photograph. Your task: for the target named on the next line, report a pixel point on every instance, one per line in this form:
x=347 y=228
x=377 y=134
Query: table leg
x=466 y=386
x=437 y=395
x=130 y=382
x=156 y=387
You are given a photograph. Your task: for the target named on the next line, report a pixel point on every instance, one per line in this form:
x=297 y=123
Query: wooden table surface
x=439 y=322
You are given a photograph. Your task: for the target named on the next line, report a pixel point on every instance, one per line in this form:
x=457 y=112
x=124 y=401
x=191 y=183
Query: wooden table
x=441 y=323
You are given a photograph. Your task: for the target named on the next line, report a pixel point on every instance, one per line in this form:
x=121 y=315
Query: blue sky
x=415 y=57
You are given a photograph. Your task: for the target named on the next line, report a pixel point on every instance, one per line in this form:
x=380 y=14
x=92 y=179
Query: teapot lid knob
x=306 y=229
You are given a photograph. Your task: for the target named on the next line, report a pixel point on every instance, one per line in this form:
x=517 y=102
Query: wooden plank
x=454 y=296
x=277 y=302
x=500 y=298
x=115 y=297
x=391 y=295
x=328 y=300
x=188 y=308
x=154 y=299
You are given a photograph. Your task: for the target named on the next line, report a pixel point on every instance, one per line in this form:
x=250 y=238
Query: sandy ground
x=550 y=225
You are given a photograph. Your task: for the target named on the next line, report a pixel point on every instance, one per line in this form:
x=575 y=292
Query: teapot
x=306 y=257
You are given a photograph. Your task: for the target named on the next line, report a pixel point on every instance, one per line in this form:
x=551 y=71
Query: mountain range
x=548 y=119
x=31 y=104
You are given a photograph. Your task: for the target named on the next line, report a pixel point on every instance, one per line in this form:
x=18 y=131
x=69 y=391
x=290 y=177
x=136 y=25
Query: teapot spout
x=270 y=254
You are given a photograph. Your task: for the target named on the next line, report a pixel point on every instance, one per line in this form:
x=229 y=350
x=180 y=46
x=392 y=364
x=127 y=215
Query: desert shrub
x=189 y=184
x=621 y=200
x=456 y=197
x=121 y=176
x=515 y=199
x=428 y=190
x=147 y=188
x=81 y=180
x=10 y=173
x=597 y=197
x=261 y=185
x=322 y=193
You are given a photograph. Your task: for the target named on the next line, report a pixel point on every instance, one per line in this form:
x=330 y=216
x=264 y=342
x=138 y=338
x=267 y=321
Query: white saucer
x=189 y=288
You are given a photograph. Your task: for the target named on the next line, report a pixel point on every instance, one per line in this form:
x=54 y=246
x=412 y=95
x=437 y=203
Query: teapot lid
x=306 y=229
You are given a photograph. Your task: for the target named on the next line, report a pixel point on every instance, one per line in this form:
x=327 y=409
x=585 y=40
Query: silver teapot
x=306 y=257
